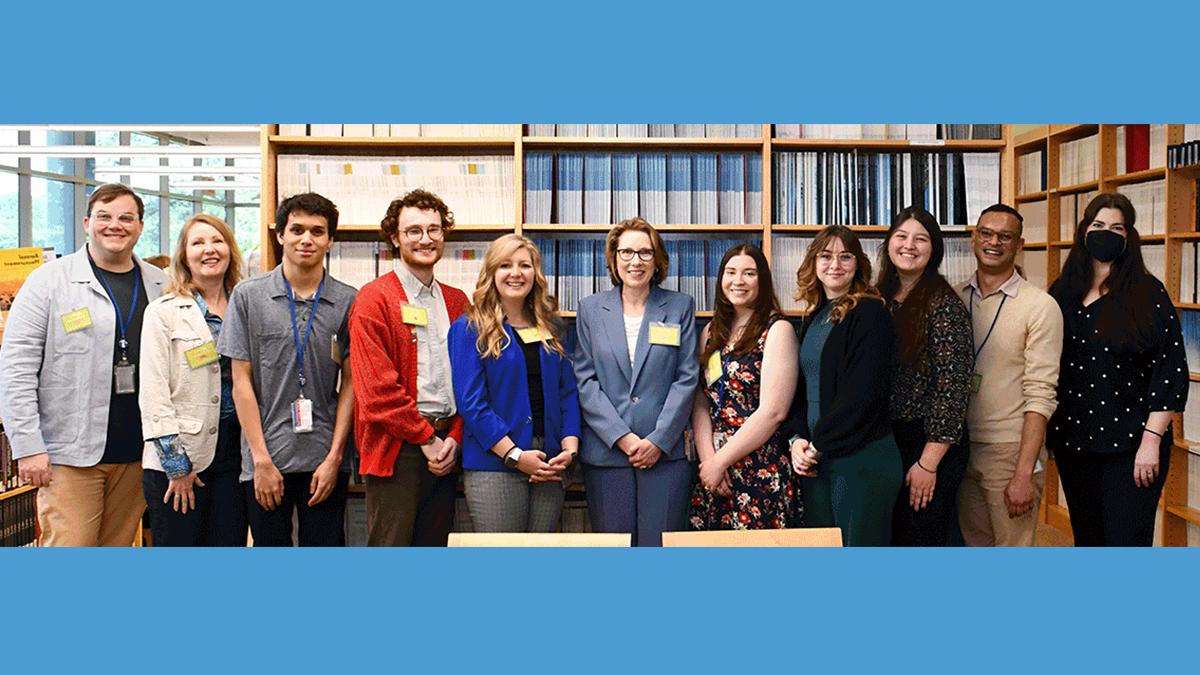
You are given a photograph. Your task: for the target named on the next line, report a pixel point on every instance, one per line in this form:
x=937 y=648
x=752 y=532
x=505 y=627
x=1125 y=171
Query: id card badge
x=664 y=334
x=198 y=357
x=125 y=377
x=77 y=320
x=713 y=370
x=302 y=415
x=413 y=315
x=976 y=380
x=530 y=335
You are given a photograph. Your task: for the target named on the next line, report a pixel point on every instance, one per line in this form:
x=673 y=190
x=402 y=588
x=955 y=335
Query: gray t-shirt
x=258 y=329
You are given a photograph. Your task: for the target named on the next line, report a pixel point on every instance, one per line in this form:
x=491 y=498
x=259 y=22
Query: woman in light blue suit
x=637 y=374
x=516 y=393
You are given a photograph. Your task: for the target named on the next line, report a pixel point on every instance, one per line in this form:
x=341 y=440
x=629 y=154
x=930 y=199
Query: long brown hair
x=1125 y=320
x=765 y=305
x=912 y=317
x=180 y=282
x=808 y=287
x=486 y=314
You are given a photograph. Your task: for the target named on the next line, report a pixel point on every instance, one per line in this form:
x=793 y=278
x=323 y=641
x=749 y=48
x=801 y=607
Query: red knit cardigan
x=384 y=364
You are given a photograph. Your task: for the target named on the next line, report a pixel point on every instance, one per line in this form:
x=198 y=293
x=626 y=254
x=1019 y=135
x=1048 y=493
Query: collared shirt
x=214 y=327
x=258 y=328
x=435 y=390
x=1008 y=288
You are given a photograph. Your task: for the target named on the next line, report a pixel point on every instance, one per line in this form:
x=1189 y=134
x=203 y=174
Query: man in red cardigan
x=405 y=421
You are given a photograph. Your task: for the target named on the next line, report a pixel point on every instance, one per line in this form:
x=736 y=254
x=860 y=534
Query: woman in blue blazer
x=516 y=393
x=637 y=373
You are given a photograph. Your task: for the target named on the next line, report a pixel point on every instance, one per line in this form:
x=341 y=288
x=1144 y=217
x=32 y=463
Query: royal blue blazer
x=493 y=397
x=653 y=399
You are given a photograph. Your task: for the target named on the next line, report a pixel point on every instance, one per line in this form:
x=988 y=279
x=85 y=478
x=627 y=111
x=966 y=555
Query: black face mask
x=1104 y=245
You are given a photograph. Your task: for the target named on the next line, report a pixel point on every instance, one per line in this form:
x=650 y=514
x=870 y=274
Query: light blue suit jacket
x=653 y=399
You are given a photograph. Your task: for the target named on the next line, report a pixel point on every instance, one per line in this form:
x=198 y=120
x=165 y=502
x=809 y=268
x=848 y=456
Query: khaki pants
x=91 y=506
x=982 y=513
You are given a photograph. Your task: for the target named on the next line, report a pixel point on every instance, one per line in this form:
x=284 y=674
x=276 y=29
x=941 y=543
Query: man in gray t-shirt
x=288 y=336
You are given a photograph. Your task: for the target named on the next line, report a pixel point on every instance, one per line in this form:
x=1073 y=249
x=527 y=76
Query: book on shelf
x=357 y=263
x=1031 y=172
x=597 y=188
x=1183 y=154
x=1078 y=160
x=1034 y=267
x=16 y=264
x=1149 y=200
x=912 y=132
x=868 y=187
x=1033 y=223
x=1070 y=211
x=1191 y=418
x=1155 y=258
x=358 y=130
x=478 y=189
x=401 y=130
x=1189 y=263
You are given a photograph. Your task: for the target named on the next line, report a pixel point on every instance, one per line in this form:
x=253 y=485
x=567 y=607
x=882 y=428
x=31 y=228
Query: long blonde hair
x=181 y=275
x=486 y=315
x=808 y=286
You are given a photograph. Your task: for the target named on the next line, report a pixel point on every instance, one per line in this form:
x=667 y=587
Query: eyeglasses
x=126 y=219
x=435 y=233
x=626 y=254
x=845 y=258
x=986 y=234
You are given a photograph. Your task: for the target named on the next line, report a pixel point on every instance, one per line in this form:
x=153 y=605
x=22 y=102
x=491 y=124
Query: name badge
x=664 y=334
x=198 y=357
x=413 y=315
x=302 y=416
x=531 y=334
x=713 y=371
x=976 y=380
x=125 y=377
x=77 y=320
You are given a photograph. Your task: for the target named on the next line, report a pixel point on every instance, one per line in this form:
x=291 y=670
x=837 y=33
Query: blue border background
x=570 y=611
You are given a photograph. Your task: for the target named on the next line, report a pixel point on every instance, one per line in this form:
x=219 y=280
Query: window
x=8 y=209
x=53 y=212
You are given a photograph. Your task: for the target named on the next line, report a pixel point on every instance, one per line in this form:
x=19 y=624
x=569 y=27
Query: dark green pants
x=856 y=493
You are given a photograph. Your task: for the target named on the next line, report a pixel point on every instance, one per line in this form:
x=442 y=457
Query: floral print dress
x=764 y=494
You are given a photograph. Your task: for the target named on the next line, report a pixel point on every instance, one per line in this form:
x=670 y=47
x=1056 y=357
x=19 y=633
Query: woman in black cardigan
x=840 y=426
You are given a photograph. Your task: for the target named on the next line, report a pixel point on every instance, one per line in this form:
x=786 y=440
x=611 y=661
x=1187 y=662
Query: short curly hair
x=418 y=199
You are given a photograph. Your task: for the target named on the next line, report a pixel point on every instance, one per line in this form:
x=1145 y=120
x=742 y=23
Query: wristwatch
x=512 y=457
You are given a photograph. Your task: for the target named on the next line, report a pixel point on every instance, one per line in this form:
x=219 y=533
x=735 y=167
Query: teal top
x=810 y=360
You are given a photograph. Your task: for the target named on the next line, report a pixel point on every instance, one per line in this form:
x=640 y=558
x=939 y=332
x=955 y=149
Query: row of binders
x=1183 y=154
x=911 y=132
x=1140 y=147
x=647 y=130
x=1150 y=202
x=478 y=189
x=1189 y=275
x=401 y=130
x=1031 y=172
x=1078 y=160
x=677 y=188
x=863 y=187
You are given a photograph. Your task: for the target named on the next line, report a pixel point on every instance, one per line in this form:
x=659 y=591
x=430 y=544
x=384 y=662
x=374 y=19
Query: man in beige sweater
x=1018 y=341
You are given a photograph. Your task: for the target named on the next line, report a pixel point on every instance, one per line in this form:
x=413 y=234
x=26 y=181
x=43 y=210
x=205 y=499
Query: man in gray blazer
x=68 y=395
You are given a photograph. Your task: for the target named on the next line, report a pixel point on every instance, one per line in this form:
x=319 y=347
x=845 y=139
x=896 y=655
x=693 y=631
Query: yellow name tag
x=531 y=334
x=413 y=315
x=77 y=320
x=198 y=357
x=664 y=334
x=713 y=371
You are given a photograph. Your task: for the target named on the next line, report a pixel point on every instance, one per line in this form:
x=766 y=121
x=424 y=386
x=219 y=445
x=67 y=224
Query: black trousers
x=320 y=525
x=219 y=518
x=937 y=522
x=1107 y=508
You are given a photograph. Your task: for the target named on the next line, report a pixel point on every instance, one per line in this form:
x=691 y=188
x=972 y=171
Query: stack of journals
x=646 y=130
x=1189 y=256
x=1031 y=172
x=1150 y=202
x=401 y=130
x=602 y=188
x=1033 y=215
x=1155 y=258
x=1070 y=212
x=1034 y=267
x=912 y=132
x=478 y=189
x=1140 y=147
x=1078 y=160
x=868 y=187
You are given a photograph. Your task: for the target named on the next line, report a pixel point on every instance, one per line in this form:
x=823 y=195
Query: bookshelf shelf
x=1031 y=140
x=470 y=142
x=1062 y=244
x=9 y=494
x=747 y=143
x=1031 y=197
x=1070 y=132
x=1136 y=177
x=1035 y=246
x=1185 y=236
x=1078 y=187
x=818 y=228
x=460 y=227
x=1192 y=516
x=1187 y=305
x=1194 y=377
x=1153 y=238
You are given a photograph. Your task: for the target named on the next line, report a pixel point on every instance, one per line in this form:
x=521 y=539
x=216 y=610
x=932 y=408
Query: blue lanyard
x=301 y=346
x=971 y=316
x=122 y=322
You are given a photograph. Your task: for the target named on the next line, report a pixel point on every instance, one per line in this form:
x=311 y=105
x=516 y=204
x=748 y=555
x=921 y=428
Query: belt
x=438 y=423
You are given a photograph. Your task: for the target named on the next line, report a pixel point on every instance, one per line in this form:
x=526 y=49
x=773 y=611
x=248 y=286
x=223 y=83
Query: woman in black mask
x=1123 y=374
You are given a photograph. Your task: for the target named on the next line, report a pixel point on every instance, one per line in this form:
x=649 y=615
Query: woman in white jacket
x=192 y=456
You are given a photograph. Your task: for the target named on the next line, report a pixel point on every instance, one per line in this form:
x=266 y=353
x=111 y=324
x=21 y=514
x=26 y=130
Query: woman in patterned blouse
x=932 y=379
x=1123 y=373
